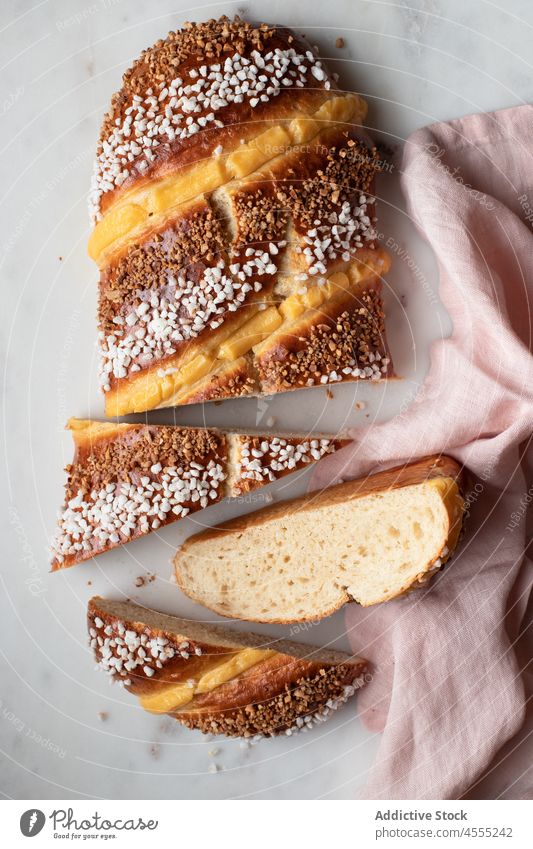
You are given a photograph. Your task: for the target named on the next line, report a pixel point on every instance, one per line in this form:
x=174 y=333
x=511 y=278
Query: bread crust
x=239 y=119
x=208 y=636
x=294 y=158
x=302 y=355
x=299 y=705
x=267 y=698
x=427 y=468
x=234 y=380
x=436 y=465
x=153 y=461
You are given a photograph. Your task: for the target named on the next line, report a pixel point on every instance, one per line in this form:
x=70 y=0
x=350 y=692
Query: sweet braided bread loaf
x=234 y=224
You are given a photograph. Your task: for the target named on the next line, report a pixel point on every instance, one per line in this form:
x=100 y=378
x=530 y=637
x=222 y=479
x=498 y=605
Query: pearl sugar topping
x=178 y=109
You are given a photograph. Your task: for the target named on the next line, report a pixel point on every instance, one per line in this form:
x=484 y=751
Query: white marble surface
x=416 y=62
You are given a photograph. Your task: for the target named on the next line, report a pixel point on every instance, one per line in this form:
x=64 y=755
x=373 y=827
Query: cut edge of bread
x=242 y=593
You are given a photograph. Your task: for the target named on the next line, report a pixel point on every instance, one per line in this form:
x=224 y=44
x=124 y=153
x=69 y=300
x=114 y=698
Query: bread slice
x=127 y=480
x=368 y=540
x=217 y=680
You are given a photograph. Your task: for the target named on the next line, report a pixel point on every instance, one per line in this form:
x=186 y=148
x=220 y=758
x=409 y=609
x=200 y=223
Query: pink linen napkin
x=448 y=689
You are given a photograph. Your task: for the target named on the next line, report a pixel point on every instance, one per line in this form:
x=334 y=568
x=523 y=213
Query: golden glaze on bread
x=226 y=183
x=129 y=479
x=272 y=686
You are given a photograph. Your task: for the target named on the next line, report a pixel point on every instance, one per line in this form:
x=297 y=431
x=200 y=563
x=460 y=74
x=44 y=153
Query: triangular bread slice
x=217 y=680
x=368 y=540
x=127 y=480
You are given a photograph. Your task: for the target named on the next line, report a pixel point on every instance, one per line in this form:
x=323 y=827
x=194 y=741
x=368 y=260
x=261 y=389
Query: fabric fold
x=448 y=689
